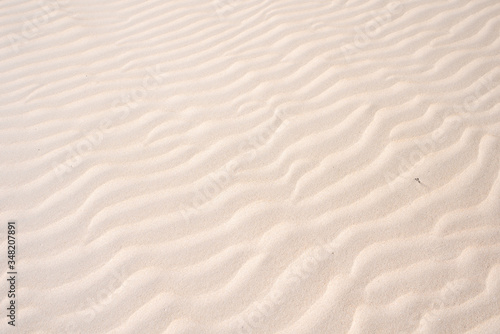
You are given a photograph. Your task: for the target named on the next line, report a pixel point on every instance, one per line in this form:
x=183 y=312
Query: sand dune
x=253 y=166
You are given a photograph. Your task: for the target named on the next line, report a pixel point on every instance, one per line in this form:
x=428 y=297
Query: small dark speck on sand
x=418 y=180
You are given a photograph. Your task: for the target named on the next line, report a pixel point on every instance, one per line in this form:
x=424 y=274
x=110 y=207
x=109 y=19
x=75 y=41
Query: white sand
x=230 y=166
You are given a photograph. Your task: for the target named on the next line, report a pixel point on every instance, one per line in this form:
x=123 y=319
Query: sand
x=229 y=166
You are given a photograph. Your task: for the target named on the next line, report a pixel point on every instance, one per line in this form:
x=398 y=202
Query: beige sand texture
x=260 y=166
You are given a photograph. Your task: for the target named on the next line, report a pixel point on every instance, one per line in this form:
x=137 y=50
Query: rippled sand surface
x=230 y=166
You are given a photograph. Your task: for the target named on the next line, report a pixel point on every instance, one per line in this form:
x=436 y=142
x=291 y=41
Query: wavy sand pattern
x=229 y=166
